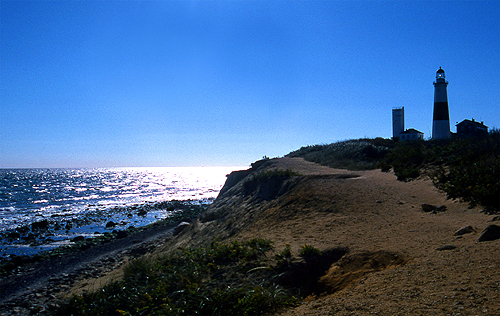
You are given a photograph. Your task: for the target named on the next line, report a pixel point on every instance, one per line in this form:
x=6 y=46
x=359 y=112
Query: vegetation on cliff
x=354 y=154
x=235 y=278
x=464 y=168
x=222 y=279
x=241 y=278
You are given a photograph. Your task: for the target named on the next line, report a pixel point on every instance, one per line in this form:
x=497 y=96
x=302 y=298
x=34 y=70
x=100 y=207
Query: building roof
x=440 y=70
x=411 y=131
x=473 y=122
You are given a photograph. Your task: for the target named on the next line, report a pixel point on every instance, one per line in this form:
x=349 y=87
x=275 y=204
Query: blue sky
x=208 y=83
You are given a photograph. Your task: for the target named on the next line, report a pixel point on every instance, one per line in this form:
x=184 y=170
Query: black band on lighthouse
x=441 y=111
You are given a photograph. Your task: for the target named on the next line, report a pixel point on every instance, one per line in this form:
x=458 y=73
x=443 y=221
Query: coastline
x=38 y=285
x=42 y=209
x=51 y=236
x=424 y=267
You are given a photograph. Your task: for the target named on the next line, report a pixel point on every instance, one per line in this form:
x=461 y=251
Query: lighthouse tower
x=441 y=120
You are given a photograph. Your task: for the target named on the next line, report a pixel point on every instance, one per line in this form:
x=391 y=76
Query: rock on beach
x=433 y=208
x=492 y=232
x=464 y=230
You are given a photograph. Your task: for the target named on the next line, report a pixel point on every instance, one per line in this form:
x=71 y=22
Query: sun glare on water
x=187 y=180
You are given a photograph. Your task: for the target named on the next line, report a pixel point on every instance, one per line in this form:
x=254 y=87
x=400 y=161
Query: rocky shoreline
x=63 y=231
x=34 y=284
x=39 y=286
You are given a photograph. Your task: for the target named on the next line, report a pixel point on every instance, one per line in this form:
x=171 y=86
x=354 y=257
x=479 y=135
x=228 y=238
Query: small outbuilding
x=471 y=128
x=411 y=134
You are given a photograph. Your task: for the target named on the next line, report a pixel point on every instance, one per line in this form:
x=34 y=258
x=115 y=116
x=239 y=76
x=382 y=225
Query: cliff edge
x=403 y=257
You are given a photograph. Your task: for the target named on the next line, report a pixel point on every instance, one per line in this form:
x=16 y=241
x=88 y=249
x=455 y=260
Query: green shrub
x=467 y=168
x=275 y=173
x=284 y=257
x=308 y=252
x=470 y=170
x=222 y=279
x=406 y=159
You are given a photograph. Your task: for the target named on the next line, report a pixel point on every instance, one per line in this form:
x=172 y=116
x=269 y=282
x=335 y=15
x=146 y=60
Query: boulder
x=428 y=207
x=180 y=227
x=30 y=236
x=40 y=225
x=492 y=232
x=20 y=260
x=14 y=235
x=464 y=230
x=78 y=238
x=446 y=247
x=23 y=229
x=110 y=224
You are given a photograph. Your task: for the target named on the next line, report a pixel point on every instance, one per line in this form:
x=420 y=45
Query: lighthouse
x=441 y=119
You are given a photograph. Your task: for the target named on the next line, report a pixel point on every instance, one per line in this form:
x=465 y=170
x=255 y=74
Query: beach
x=39 y=285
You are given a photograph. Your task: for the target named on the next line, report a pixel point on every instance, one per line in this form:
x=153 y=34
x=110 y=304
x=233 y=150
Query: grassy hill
x=467 y=168
x=354 y=154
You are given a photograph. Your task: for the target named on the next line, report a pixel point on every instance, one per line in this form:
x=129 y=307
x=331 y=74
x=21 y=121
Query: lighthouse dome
x=440 y=73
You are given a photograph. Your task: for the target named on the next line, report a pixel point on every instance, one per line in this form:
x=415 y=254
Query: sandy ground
x=376 y=213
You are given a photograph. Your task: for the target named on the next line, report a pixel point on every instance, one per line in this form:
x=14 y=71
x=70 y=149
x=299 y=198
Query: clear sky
x=208 y=83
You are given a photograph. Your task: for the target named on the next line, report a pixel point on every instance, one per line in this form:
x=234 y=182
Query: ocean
x=80 y=202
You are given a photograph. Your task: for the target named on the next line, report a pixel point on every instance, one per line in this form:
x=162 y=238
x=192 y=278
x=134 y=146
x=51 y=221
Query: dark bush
x=471 y=170
x=467 y=168
x=406 y=159
x=222 y=279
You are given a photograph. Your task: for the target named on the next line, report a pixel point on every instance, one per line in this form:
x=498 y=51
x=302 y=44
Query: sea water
x=89 y=198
